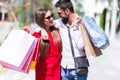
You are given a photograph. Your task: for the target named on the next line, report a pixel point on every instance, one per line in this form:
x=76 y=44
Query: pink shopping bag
x=33 y=57
x=16 y=50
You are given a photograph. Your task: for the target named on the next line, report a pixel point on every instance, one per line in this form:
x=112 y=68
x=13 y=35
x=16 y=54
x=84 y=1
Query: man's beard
x=65 y=20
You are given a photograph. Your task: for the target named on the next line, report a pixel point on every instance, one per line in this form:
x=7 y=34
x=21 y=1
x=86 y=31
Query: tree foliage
x=119 y=4
x=25 y=10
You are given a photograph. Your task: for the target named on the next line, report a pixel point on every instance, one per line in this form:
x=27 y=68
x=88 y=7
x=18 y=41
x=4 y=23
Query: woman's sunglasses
x=49 y=16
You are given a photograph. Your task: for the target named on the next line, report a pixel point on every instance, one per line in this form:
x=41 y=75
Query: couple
x=56 y=61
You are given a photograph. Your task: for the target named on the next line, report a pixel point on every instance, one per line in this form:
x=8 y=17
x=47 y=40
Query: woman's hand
x=27 y=29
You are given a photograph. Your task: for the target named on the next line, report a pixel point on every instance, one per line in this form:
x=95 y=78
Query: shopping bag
x=16 y=50
x=26 y=67
x=31 y=61
x=36 y=55
x=90 y=49
x=96 y=34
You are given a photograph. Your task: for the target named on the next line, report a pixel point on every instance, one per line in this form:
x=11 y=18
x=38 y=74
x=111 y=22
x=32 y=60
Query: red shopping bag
x=16 y=51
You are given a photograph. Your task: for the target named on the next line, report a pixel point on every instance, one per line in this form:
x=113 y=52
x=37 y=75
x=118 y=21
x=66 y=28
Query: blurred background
x=15 y=14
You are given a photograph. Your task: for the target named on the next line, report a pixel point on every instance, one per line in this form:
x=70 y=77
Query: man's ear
x=67 y=10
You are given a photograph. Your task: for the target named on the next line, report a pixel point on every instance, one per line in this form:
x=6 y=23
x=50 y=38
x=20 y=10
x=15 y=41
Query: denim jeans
x=69 y=74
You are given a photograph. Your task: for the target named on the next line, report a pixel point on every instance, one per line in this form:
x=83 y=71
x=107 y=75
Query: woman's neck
x=47 y=28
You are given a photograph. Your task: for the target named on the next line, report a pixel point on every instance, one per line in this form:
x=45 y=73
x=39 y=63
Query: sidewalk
x=107 y=66
x=14 y=75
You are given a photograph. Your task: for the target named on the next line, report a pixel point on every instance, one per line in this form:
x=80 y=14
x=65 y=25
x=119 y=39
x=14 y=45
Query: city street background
x=15 y=14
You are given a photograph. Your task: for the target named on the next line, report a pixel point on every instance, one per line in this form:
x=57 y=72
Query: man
x=66 y=12
x=58 y=9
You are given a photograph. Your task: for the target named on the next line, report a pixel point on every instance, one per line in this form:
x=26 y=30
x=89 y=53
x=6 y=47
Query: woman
x=48 y=64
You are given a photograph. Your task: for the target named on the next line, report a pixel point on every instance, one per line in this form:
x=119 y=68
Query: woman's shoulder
x=36 y=34
x=57 y=29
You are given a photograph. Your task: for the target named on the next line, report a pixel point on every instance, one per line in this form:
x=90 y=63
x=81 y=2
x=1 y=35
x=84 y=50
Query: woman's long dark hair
x=44 y=46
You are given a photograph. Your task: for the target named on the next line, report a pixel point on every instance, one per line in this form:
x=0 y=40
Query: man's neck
x=72 y=18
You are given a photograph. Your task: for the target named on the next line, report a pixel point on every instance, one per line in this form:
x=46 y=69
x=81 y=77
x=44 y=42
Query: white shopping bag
x=16 y=49
x=96 y=34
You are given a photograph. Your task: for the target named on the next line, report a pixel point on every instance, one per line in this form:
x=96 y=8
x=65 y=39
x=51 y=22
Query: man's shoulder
x=57 y=22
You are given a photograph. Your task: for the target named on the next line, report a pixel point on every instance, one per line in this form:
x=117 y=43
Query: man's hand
x=44 y=34
x=79 y=20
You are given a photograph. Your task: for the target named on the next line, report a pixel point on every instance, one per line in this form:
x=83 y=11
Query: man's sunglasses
x=49 y=16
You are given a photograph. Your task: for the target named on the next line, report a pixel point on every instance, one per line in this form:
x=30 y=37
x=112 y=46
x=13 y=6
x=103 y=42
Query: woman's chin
x=51 y=24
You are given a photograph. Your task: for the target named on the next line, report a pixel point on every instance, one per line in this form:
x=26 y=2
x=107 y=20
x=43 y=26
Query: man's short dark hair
x=57 y=4
x=66 y=4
